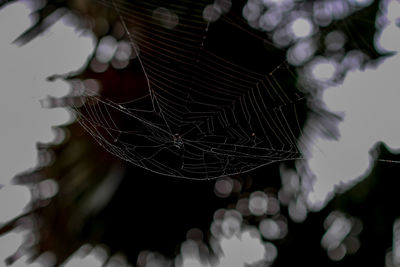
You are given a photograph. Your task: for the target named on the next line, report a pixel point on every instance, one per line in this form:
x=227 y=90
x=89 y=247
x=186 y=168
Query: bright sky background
x=369 y=100
x=23 y=73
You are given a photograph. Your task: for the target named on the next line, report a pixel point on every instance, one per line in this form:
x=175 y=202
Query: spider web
x=213 y=107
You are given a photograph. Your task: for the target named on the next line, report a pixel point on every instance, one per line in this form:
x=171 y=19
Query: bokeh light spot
x=48 y=188
x=166 y=17
x=258 y=203
x=297 y=210
x=322 y=69
x=124 y=51
x=335 y=40
x=269 y=229
x=98 y=66
x=301 y=52
x=337 y=254
x=106 y=49
x=223 y=187
x=211 y=13
x=301 y=27
x=273 y=206
x=243 y=206
x=271 y=252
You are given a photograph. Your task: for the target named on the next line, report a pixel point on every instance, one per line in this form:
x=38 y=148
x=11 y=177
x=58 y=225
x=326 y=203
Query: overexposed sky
x=23 y=73
x=368 y=100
